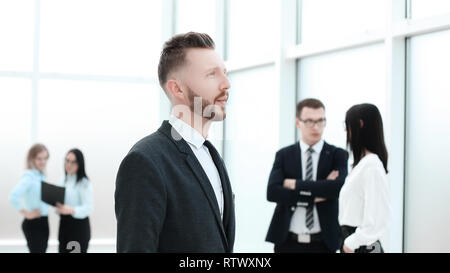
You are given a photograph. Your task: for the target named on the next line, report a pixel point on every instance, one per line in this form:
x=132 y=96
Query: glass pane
x=252 y=28
x=16 y=35
x=15 y=132
x=325 y=20
x=342 y=79
x=427 y=206
x=101 y=37
x=196 y=15
x=251 y=141
x=427 y=8
x=104 y=120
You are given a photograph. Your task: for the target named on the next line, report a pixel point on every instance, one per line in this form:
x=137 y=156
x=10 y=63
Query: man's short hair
x=310 y=103
x=173 y=54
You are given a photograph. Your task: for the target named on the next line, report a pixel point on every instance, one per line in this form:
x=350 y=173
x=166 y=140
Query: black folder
x=51 y=194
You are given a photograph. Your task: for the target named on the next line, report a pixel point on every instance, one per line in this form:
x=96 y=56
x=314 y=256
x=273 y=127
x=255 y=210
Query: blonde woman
x=35 y=225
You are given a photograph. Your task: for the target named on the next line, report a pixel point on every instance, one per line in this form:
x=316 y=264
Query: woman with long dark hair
x=74 y=226
x=364 y=202
x=35 y=225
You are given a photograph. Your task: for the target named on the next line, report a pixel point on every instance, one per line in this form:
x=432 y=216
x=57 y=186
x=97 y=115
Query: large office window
x=251 y=140
x=427 y=184
x=252 y=37
x=343 y=79
x=104 y=122
x=428 y=8
x=325 y=20
x=15 y=134
x=340 y=80
x=196 y=15
x=120 y=38
x=251 y=128
x=94 y=89
x=80 y=73
x=201 y=16
x=16 y=32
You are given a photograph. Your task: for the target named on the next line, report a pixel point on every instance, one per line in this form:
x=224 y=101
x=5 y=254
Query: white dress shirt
x=298 y=219
x=201 y=152
x=364 y=203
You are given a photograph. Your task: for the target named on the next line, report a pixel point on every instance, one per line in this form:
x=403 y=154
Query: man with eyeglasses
x=305 y=182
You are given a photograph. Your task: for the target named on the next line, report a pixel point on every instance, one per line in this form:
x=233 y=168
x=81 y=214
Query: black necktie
x=219 y=165
x=214 y=154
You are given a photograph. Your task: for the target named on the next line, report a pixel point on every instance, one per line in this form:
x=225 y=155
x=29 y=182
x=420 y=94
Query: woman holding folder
x=74 y=227
x=35 y=225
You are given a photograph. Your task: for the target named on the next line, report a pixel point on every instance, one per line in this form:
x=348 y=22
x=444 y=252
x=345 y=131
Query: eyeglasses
x=309 y=123
x=71 y=162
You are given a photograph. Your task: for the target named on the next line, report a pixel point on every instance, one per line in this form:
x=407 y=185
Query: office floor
x=95 y=246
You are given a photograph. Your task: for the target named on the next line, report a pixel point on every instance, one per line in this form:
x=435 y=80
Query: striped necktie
x=309 y=177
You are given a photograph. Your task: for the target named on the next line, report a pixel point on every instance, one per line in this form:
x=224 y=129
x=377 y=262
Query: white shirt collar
x=317 y=147
x=188 y=133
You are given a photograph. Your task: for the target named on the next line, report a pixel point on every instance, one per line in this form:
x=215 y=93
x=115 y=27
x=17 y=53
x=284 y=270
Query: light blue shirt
x=29 y=188
x=78 y=196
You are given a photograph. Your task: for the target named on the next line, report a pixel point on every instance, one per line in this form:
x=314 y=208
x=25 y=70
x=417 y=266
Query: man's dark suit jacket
x=288 y=164
x=164 y=201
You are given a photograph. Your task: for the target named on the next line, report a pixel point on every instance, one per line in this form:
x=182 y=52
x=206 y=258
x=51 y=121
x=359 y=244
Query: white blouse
x=364 y=202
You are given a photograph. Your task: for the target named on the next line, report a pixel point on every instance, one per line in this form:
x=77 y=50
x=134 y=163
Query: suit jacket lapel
x=198 y=171
x=298 y=160
x=323 y=159
x=206 y=187
x=226 y=185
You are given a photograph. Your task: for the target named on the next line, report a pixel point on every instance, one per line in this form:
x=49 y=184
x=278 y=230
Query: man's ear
x=297 y=123
x=173 y=88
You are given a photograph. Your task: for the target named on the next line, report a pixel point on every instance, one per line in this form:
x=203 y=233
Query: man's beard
x=209 y=110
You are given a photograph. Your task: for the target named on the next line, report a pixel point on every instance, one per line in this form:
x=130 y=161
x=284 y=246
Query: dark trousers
x=74 y=234
x=292 y=246
x=347 y=231
x=36 y=233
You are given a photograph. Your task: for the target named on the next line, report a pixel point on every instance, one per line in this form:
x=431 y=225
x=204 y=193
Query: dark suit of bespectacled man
x=305 y=182
x=173 y=193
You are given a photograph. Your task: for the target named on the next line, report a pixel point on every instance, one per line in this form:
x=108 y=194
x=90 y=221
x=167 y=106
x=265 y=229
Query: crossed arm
x=288 y=191
x=290 y=184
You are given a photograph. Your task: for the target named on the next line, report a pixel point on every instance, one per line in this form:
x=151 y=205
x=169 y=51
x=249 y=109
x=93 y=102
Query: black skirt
x=74 y=234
